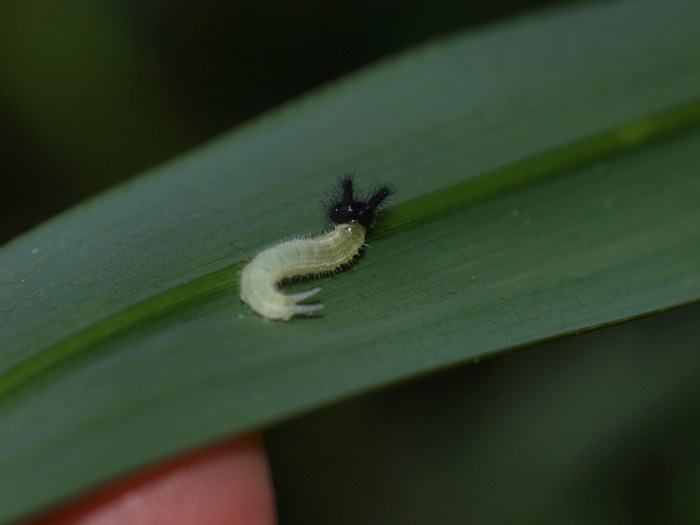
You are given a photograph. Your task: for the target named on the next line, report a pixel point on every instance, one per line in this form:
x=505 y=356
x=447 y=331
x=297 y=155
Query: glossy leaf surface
x=547 y=175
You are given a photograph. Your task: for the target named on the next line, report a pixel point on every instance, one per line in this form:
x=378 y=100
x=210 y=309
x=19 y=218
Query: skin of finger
x=226 y=484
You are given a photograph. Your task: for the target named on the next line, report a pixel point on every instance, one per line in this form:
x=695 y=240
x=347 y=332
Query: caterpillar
x=350 y=219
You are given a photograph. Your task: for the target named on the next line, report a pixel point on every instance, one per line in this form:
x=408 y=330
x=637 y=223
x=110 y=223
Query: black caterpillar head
x=345 y=208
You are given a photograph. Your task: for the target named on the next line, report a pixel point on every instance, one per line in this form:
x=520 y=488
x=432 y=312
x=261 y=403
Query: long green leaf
x=547 y=176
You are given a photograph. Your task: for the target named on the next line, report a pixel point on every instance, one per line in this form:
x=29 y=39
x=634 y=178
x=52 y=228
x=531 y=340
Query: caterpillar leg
x=304 y=295
x=304 y=309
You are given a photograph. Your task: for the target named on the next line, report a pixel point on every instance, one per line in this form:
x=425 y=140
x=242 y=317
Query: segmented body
x=315 y=255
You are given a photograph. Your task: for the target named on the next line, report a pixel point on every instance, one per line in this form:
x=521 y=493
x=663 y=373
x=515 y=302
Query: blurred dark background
x=94 y=91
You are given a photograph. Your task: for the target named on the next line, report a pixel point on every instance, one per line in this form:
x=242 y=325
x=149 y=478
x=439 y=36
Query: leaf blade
x=150 y=325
